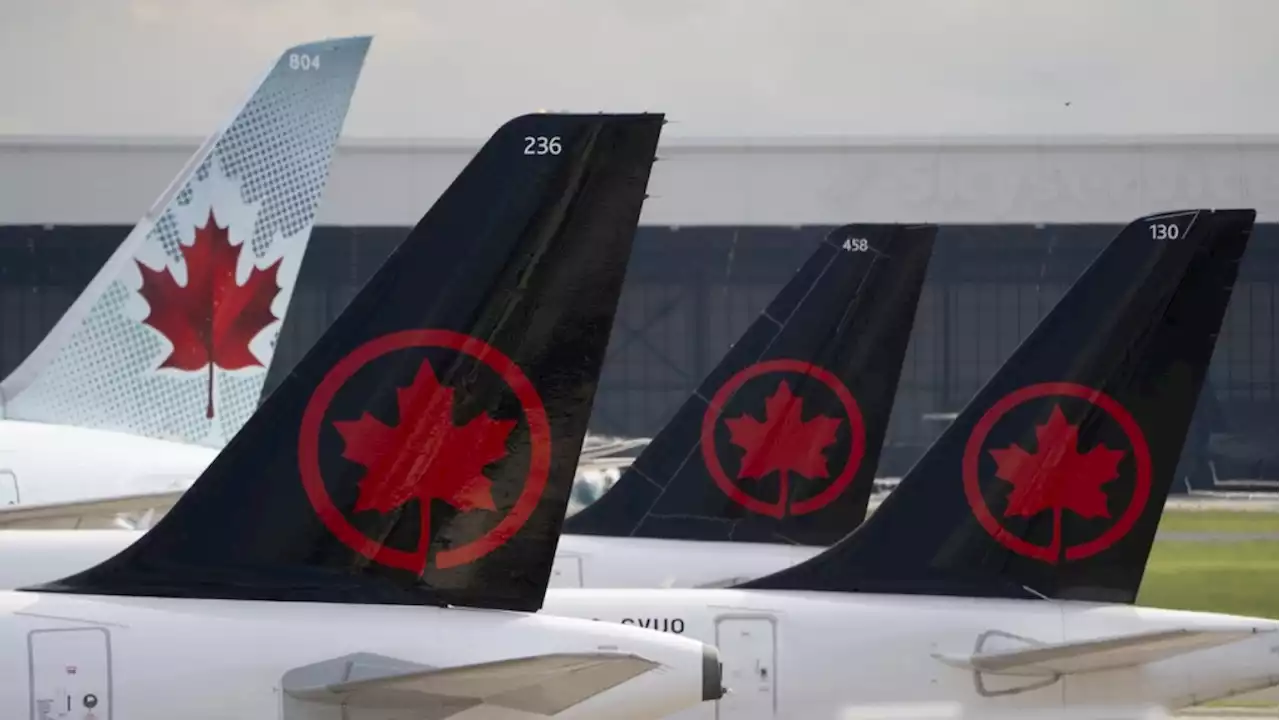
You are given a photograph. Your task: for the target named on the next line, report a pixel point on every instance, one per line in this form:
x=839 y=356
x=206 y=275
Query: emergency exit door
x=70 y=674
x=8 y=488
x=748 y=652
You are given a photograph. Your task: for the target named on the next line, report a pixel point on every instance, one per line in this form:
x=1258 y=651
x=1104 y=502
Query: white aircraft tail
x=173 y=337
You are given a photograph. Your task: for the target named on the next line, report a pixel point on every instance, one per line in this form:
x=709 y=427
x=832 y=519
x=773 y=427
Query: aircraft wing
x=523 y=688
x=83 y=514
x=1093 y=655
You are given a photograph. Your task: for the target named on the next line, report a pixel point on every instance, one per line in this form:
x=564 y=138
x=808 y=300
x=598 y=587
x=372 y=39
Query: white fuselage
x=43 y=464
x=34 y=556
x=816 y=655
x=160 y=658
x=831 y=655
x=624 y=562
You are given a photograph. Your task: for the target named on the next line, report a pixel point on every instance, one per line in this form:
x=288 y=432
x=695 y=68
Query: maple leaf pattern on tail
x=426 y=456
x=784 y=442
x=1057 y=476
x=210 y=320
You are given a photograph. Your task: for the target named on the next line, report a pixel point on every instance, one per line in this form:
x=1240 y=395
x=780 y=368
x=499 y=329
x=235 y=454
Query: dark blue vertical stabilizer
x=1052 y=480
x=780 y=442
x=423 y=450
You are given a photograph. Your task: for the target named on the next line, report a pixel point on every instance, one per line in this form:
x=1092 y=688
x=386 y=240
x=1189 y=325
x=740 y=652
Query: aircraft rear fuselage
x=594 y=561
x=29 y=558
x=816 y=655
x=45 y=464
x=812 y=652
x=160 y=658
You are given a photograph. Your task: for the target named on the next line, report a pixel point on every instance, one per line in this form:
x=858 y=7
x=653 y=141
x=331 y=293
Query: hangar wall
x=728 y=223
x=715 y=182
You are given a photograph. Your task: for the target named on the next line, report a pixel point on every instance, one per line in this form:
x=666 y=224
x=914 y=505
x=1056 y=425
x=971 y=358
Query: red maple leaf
x=426 y=456
x=1057 y=476
x=211 y=319
x=783 y=442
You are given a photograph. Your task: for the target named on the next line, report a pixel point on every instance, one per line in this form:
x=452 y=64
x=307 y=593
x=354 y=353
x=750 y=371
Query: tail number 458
x=541 y=145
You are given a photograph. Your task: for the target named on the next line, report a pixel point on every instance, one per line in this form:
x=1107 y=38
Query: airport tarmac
x=1218 y=713
x=1201 y=537
x=1245 y=502
x=1233 y=502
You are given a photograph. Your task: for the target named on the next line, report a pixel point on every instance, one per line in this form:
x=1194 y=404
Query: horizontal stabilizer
x=723 y=582
x=1095 y=655
x=86 y=514
x=544 y=685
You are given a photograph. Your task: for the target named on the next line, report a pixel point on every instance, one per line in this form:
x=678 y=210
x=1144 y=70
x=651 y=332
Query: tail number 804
x=541 y=145
x=302 y=61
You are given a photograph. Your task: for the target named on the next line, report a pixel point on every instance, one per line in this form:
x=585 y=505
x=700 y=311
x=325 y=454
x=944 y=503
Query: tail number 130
x=541 y=145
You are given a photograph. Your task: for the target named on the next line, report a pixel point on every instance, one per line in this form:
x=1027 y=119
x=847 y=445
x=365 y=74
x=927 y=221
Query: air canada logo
x=1065 y=454
x=791 y=434
x=211 y=319
x=421 y=450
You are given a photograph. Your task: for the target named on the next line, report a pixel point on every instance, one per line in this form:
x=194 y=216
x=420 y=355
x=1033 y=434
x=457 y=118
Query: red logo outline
x=857 y=439
x=1049 y=553
x=337 y=523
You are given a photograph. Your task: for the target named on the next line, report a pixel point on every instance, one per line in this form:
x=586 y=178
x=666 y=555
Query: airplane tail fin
x=423 y=450
x=780 y=442
x=1051 y=481
x=173 y=336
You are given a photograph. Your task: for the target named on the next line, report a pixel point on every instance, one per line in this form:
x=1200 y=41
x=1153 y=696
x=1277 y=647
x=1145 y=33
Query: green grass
x=1239 y=578
x=1227 y=577
x=1236 y=703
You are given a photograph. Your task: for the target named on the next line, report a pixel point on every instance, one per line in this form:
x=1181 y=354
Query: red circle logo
x=416 y=561
x=783 y=453
x=1057 y=476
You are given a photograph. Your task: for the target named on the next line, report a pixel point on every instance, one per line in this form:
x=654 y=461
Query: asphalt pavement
x=1192 y=536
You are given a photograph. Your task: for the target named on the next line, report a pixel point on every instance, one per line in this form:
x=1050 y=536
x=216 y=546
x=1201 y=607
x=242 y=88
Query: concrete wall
x=721 y=182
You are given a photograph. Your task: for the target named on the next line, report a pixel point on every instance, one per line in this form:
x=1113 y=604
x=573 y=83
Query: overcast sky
x=457 y=68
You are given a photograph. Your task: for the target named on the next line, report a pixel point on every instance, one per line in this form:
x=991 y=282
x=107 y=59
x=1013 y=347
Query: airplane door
x=748 y=652
x=8 y=488
x=70 y=674
x=566 y=571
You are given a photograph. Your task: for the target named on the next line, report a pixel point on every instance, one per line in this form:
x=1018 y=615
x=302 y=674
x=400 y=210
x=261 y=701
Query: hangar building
x=728 y=222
